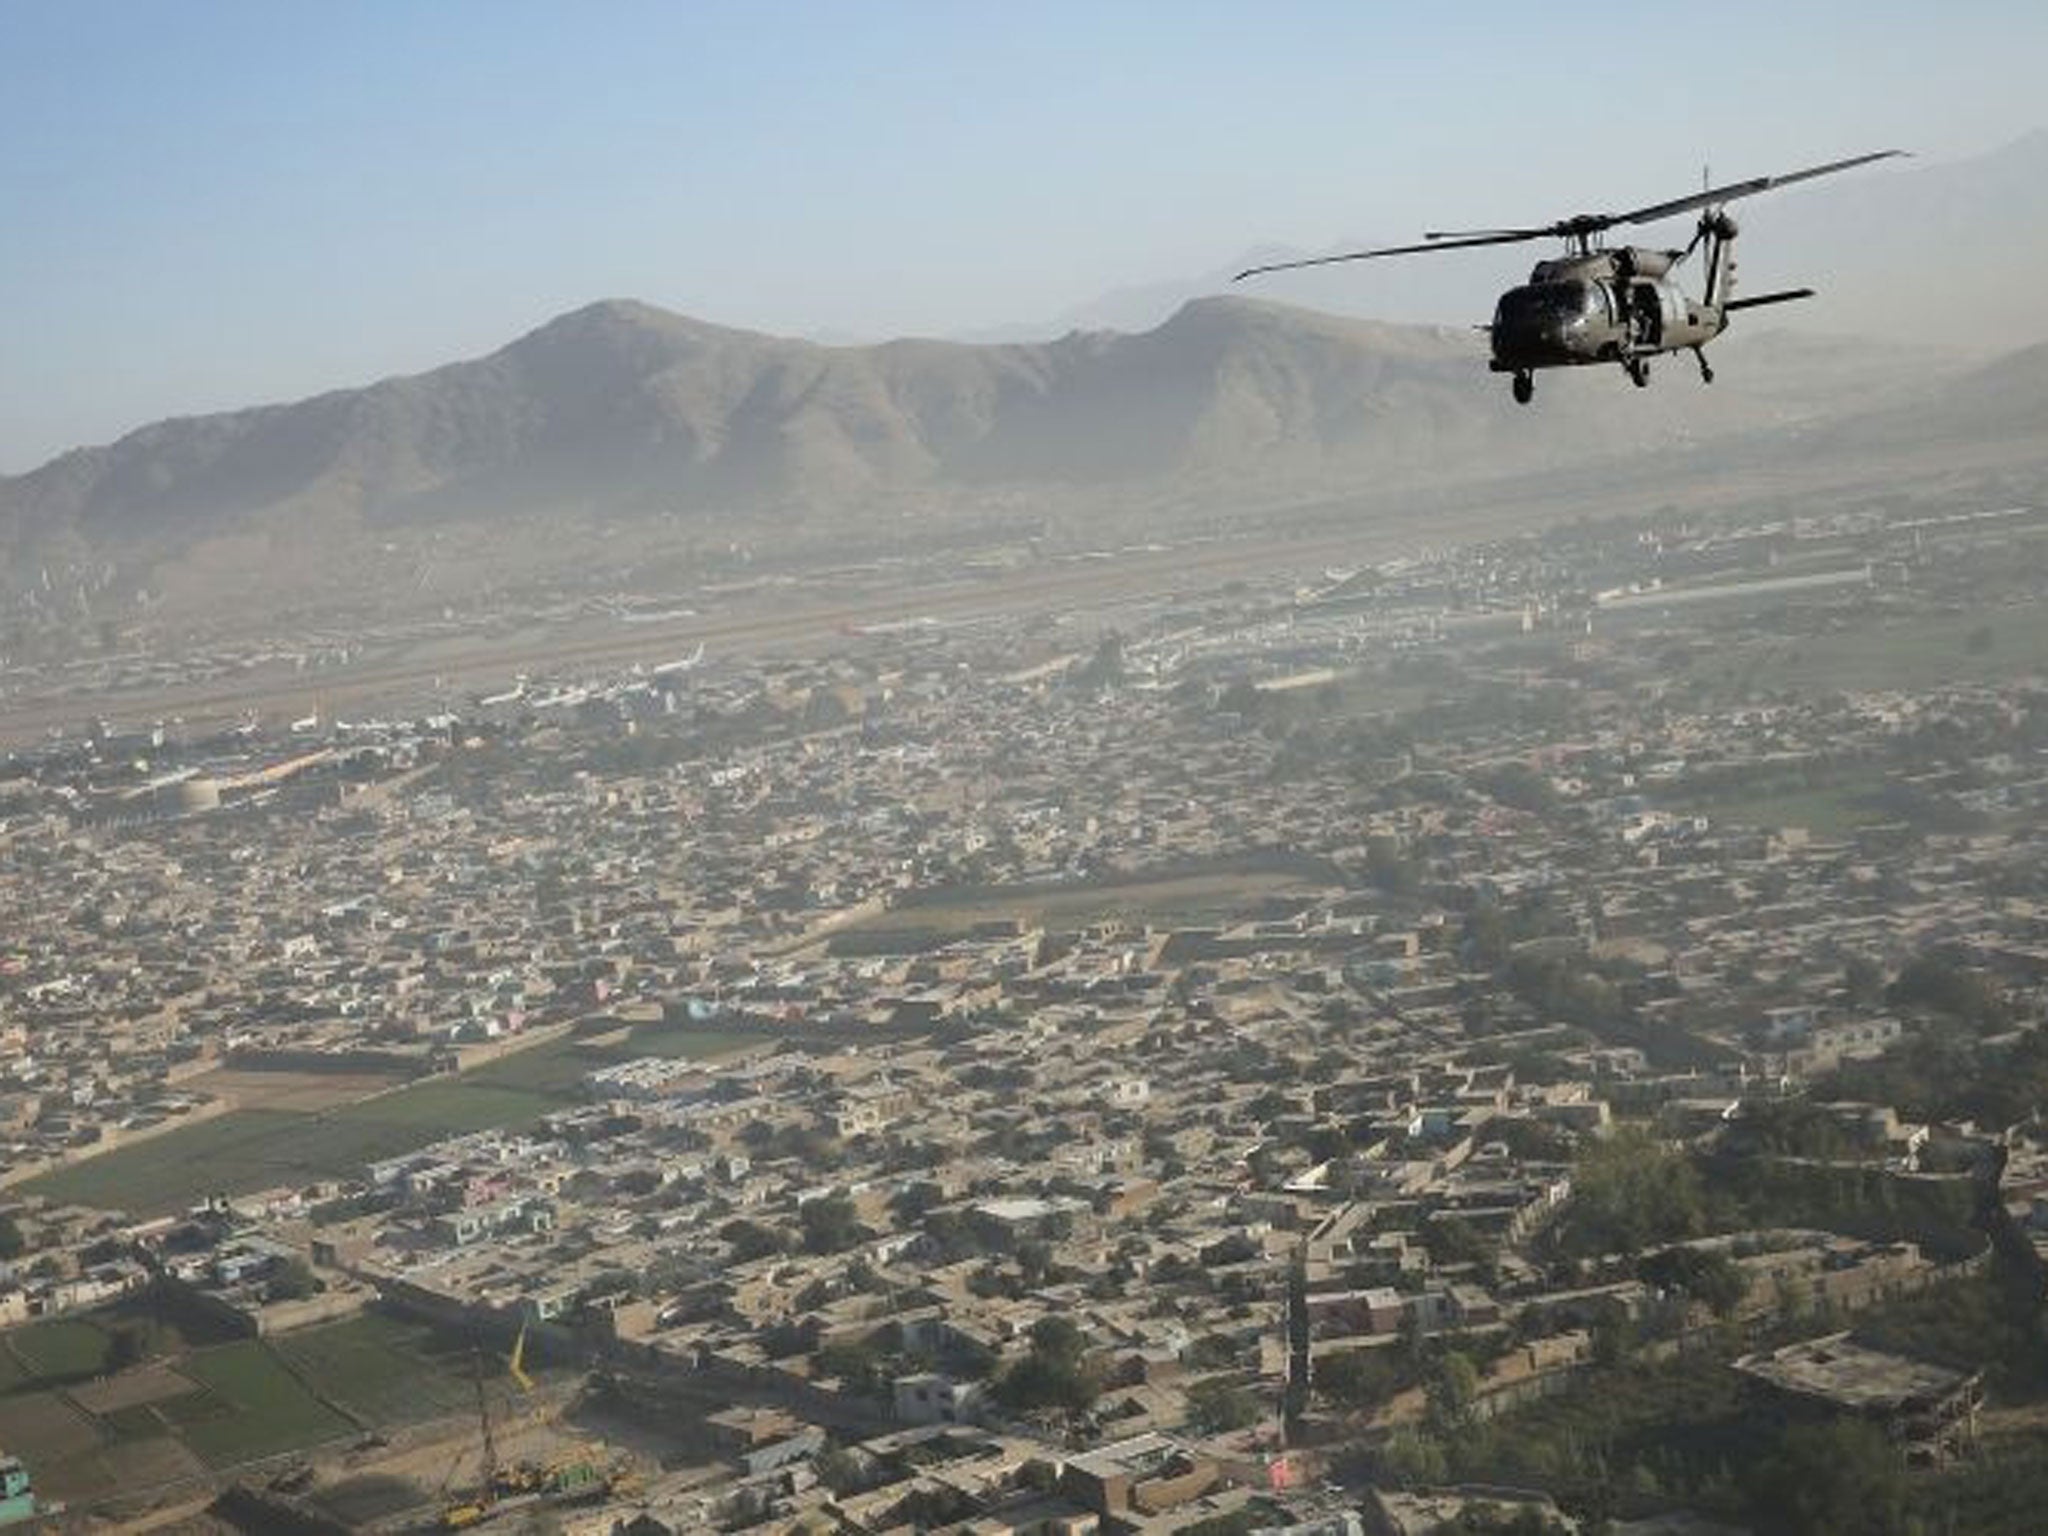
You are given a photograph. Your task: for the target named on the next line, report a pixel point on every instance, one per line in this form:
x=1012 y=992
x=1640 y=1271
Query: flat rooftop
x=1849 y=1375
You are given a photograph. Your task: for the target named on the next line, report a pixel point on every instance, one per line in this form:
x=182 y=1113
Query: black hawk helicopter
x=1595 y=305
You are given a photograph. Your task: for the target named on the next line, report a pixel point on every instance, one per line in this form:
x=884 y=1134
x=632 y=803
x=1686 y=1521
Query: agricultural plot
x=170 y=1171
x=54 y=1353
x=1164 y=902
x=58 y=1441
x=251 y=1407
x=250 y=1149
x=130 y=1389
x=556 y=1069
x=189 y=1407
x=684 y=1043
x=384 y=1369
x=147 y=1463
x=1833 y=812
x=1979 y=646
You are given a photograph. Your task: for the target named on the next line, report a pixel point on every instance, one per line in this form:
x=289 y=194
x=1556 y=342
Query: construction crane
x=457 y=1517
x=566 y=1480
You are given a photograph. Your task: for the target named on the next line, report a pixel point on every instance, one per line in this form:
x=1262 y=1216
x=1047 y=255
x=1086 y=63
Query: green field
x=58 y=1442
x=1829 y=814
x=1907 y=654
x=250 y=1149
x=220 y=1405
x=556 y=1069
x=51 y=1353
x=252 y=1407
x=385 y=1369
x=1169 y=900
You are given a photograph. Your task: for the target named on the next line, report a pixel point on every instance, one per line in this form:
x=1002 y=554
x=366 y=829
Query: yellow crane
x=569 y=1477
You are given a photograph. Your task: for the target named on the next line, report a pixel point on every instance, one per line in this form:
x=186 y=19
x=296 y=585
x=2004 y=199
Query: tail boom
x=1785 y=297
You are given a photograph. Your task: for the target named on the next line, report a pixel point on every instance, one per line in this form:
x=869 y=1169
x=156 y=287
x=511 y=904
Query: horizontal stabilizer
x=1770 y=298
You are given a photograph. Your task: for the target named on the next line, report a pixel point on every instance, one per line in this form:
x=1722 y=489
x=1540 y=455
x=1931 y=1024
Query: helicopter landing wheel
x=1706 y=368
x=1525 y=388
x=1638 y=371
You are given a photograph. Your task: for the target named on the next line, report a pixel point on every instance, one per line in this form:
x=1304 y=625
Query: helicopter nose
x=1526 y=331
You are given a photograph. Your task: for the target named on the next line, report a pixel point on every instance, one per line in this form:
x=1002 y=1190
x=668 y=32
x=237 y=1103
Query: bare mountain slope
x=1999 y=405
x=620 y=409
x=620 y=405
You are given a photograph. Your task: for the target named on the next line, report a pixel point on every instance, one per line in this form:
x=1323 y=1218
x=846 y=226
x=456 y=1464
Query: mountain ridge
x=619 y=409
x=757 y=414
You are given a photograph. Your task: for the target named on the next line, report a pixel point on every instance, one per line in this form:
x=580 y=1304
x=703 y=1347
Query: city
x=1493 y=1034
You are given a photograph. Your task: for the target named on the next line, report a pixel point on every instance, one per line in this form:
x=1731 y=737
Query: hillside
x=621 y=411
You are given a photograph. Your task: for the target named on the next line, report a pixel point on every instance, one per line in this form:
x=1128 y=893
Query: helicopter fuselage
x=1598 y=307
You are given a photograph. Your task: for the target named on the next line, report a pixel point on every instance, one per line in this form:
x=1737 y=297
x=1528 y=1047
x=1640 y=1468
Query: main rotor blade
x=1505 y=237
x=1484 y=234
x=1750 y=188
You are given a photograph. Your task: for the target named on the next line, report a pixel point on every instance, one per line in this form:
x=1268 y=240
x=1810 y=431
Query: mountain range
x=620 y=410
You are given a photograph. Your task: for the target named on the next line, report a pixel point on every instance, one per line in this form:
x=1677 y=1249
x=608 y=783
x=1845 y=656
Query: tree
x=1452 y=1395
x=1413 y=1457
x=859 y=1365
x=1039 y=1381
x=1836 y=1479
x=293 y=1281
x=124 y=1349
x=1630 y=1191
x=1939 y=983
x=12 y=1244
x=912 y=1202
x=1213 y=1352
x=1038 y=1475
x=751 y=1240
x=1237 y=1248
x=841 y=1470
x=1614 y=1337
x=1360 y=1378
x=1219 y=1405
x=935 y=1507
x=1710 y=1277
x=1055 y=1374
x=1390 y=868
x=1863 y=980
x=781 y=1340
x=830 y=1225
x=1454 y=1241
x=1058 y=1338
x=1521 y=787
x=1034 y=1261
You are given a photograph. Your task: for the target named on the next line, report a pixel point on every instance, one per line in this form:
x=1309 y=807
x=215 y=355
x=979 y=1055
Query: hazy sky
x=207 y=204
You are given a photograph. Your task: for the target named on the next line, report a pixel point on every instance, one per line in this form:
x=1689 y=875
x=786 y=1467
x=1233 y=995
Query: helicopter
x=1624 y=305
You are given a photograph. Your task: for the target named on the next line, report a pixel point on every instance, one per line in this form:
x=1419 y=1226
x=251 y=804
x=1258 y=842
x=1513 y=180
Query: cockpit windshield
x=1543 y=306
